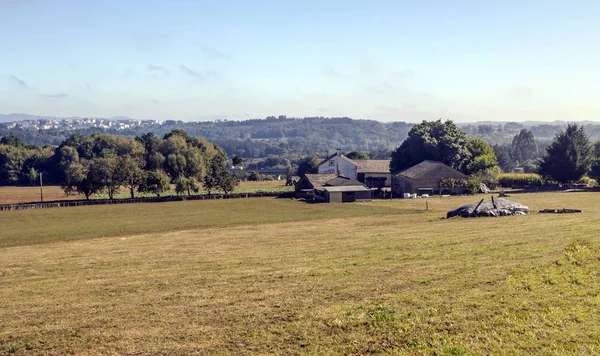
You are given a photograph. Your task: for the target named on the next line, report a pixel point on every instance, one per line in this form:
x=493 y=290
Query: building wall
x=337 y=197
x=387 y=176
x=335 y=163
x=403 y=185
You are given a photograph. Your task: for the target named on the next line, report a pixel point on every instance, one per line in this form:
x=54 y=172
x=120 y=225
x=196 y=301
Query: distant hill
x=290 y=137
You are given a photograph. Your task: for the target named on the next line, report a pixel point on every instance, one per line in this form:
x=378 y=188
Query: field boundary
x=170 y=198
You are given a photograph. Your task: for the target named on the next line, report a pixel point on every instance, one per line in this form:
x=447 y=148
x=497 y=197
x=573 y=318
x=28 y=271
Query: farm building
x=331 y=188
x=424 y=178
x=374 y=173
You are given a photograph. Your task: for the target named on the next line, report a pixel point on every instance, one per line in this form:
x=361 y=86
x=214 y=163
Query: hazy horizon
x=387 y=61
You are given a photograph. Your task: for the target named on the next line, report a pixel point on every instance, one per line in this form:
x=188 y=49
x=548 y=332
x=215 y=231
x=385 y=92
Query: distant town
x=84 y=123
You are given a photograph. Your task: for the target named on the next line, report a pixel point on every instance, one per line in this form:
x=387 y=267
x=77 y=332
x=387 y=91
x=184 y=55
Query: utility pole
x=41 y=188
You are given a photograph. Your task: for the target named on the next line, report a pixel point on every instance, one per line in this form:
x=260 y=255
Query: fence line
x=170 y=198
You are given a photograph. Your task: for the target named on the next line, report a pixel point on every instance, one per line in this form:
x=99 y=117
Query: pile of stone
x=493 y=207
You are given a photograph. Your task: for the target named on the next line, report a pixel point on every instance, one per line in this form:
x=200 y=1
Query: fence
x=69 y=203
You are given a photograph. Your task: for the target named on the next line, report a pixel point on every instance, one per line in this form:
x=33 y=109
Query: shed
x=331 y=188
x=424 y=177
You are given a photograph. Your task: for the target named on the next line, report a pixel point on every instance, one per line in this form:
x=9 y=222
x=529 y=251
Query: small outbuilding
x=331 y=188
x=424 y=178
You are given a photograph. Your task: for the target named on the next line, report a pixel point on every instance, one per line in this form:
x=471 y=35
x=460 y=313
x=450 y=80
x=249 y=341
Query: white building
x=371 y=172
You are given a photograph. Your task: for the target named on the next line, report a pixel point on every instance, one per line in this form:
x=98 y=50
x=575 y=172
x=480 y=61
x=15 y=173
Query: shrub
x=521 y=180
x=473 y=185
x=452 y=185
x=488 y=176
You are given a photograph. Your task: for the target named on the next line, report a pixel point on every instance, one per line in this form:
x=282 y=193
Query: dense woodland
x=102 y=163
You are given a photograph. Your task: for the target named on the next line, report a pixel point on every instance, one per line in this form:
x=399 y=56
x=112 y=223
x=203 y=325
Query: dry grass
x=269 y=276
x=10 y=195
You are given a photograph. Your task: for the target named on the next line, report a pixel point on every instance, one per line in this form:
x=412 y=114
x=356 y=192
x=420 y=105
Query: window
x=331 y=163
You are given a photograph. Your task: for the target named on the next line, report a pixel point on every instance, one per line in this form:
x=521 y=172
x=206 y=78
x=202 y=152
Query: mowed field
x=278 y=276
x=21 y=194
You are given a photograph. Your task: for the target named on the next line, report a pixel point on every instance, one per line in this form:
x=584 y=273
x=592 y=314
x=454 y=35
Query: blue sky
x=385 y=60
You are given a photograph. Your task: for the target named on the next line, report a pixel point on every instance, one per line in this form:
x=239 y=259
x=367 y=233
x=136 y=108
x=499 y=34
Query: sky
x=391 y=60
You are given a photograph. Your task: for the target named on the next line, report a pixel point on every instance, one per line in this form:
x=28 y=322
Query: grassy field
x=278 y=276
x=9 y=195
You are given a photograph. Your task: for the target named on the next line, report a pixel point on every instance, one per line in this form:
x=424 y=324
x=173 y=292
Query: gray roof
x=336 y=154
x=353 y=188
x=372 y=165
x=319 y=180
x=431 y=170
x=342 y=181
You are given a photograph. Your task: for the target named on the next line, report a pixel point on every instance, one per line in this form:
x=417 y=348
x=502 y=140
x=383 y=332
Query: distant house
x=338 y=164
x=424 y=178
x=331 y=188
x=374 y=173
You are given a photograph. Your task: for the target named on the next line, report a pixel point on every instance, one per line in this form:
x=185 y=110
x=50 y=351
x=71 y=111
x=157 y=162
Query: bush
x=488 y=176
x=520 y=180
x=473 y=185
x=452 y=185
x=587 y=181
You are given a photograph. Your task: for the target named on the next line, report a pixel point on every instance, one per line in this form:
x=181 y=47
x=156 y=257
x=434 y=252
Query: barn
x=424 y=178
x=331 y=188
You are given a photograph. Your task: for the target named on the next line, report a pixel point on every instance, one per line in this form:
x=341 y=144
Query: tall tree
x=437 y=140
x=104 y=172
x=569 y=156
x=131 y=172
x=482 y=155
x=524 y=147
x=504 y=158
x=77 y=180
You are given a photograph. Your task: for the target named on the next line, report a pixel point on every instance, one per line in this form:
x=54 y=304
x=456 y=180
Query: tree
x=183 y=184
x=236 y=161
x=218 y=176
x=228 y=182
x=595 y=169
x=32 y=176
x=569 y=156
x=77 y=180
x=357 y=155
x=504 y=158
x=481 y=155
x=155 y=182
x=131 y=173
x=104 y=173
x=436 y=141
x=308 y=165
x=524 y=147
x=11 y=140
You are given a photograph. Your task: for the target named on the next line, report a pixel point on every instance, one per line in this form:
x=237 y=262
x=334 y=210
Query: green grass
x=269 y=276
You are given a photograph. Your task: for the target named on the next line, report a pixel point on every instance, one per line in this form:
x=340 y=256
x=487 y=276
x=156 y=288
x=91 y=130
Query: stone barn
x=424 y=178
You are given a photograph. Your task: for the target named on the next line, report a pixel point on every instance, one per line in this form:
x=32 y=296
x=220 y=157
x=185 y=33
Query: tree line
x=89 y=164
